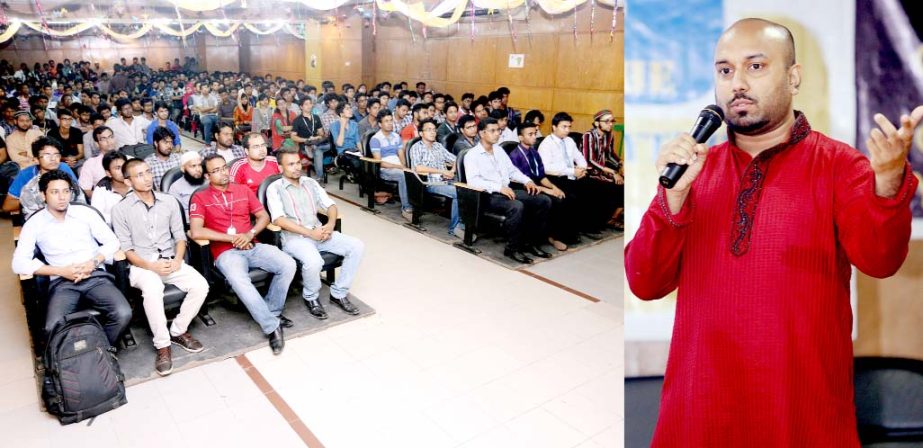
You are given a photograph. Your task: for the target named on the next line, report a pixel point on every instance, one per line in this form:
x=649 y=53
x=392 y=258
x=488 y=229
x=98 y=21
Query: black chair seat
x=496 y=217
x=889 y=399
x=172 y=295
x=331 y=260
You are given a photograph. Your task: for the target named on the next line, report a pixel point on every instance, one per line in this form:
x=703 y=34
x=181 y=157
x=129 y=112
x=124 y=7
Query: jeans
x=307 y=251
x=96 y=292
x=396 y=175
x=235 y=264
x=152 y=285
x=208 y=124
x=449 y=192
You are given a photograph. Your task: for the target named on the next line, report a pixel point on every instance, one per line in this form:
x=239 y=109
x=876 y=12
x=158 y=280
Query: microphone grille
x=716 y=110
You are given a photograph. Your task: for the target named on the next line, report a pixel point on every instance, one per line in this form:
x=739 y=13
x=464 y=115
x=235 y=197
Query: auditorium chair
x=578 y=139
x=139 y=151
x=509 y=147
x=889 y=401
x=35 y=296
x=448 y=142
x=344 y=162
x=172 y=296
x=331 y=260
x=172 y=175
x=417 y=195
x=371 y=173
x=217 y=282
x=472 y=207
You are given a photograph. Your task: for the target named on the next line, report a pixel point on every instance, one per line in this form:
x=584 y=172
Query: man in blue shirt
x=162 y=119
x=48 y=154
x=386 y=145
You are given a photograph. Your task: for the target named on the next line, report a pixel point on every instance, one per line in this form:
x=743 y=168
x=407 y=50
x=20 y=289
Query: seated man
x=182 y=189
x=449 y=123
x=149 y=226
x=251 y=170
x=164 y=158
x=563 y=208
x=419 y=113
x=24 y=194
x=430 y=159
x=293 y=203
x=111 y=189
x=467 y=135
x=345 y=133
x=566 y=168
x=506 y=134
x=604 y=164
x=75 y=242
x=487 y=167
x=92 y=170
x=223 y=144
x=386 y=146
x=221 y=214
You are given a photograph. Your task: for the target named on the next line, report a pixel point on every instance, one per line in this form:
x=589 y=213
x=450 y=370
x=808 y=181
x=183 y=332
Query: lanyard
x=295 y=204
x=533 y=167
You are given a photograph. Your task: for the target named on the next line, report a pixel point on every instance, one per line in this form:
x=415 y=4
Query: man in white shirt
x=75 y=241
x=488 y=168
x=206 y=105
x=566 y=167
x=128 y=129
x=92 y=170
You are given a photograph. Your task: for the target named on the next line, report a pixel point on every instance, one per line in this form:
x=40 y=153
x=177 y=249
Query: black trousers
x=526 y=217
x=97 y=292
x=595 y=201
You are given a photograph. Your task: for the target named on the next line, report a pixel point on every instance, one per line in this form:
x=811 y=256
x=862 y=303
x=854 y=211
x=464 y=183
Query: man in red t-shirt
x=221 y=214
x=251 y=170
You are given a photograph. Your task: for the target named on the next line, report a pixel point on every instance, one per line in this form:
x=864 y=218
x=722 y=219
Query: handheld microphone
x=708 y=122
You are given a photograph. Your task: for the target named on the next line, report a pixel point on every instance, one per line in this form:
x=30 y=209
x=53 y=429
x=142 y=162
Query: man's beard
x=193 y=180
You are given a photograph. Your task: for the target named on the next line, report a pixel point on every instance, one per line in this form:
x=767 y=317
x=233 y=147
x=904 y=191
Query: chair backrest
x=264 y=186
x=460 y=165
x=367 y=143
x=578 y=139
x=538 y=142
x=172 y=175
x=509 y=146
x=889 y=399
x=448 y=141
x=139 y=151
x=407 y=147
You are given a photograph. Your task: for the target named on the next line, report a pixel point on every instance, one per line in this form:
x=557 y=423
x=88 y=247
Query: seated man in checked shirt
x=430 y=159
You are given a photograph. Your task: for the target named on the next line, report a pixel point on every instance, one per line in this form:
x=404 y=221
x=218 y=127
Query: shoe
x=558 y=245
x=517 y=256
x=285 y=322
x=316 y=309
x=407 y=214
x=595 y=236
x=187 y=342
x=538 y=252
x=163 y=363
x=345 y=304
x=277 y=341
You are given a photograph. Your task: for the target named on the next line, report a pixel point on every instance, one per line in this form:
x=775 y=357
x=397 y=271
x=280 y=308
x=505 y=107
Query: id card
x=232 y=230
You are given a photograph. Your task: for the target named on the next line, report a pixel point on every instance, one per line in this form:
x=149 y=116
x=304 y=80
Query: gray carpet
x=234 y=333
x=490 y=242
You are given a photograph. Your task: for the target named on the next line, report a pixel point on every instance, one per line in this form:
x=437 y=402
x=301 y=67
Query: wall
x=891 y=310
x=91 y=48
x=580 y=76
x=279 y=54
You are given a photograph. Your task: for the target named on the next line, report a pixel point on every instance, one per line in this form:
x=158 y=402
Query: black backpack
x=82 y=374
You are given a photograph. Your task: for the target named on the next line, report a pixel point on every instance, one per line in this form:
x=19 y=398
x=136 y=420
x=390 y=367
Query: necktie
x=567 y=160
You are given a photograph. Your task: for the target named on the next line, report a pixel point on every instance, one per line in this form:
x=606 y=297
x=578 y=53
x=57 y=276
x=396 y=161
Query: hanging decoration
x=509 y=15
x=413 y=37
x=592 y=18
x=615 y=15
x=415 y=11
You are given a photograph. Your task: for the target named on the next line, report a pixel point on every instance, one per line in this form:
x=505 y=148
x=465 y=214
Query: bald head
x=768 y=32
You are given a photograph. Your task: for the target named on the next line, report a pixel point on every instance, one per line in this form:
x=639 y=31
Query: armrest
x=467 y=187
x=119 y=256
x=16 y=231
x=273 y=228
x=24 y=277
x=202 y=243
x=370 y=160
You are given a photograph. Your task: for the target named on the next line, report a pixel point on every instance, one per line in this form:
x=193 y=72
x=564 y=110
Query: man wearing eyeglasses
x=24 y=193
x=75 y=241
x=221 y=214
x=93 y=170
x=468 y=137
x=149 y=226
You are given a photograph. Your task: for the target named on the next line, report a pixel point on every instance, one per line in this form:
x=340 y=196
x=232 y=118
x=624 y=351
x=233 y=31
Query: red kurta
x=761 y=250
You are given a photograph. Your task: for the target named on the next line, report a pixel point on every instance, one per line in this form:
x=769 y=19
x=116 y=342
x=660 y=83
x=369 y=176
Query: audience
x=92 y=170
x=192 y=180
x=386 y=146
x=429 y=158
x=112 y=188
x=251 y=170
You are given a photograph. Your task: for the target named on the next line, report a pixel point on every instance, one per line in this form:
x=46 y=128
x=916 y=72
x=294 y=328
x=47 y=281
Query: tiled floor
x=461 y=352
x=595 y=270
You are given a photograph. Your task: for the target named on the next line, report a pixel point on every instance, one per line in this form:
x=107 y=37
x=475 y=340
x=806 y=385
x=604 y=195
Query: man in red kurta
x=759 y=242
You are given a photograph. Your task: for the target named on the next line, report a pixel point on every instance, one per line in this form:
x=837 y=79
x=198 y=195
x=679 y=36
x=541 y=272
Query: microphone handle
x=671 y=174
